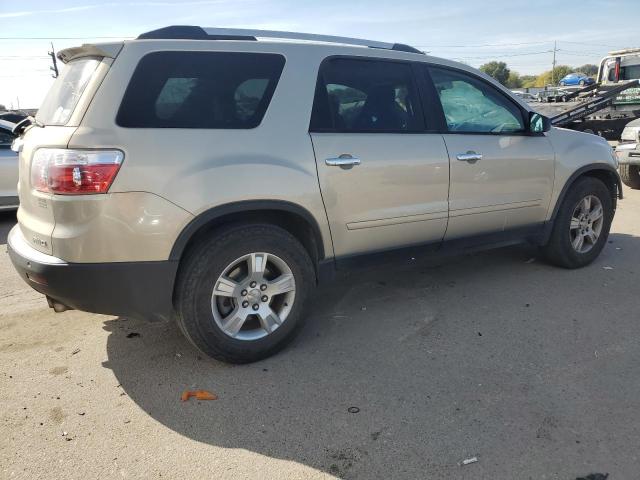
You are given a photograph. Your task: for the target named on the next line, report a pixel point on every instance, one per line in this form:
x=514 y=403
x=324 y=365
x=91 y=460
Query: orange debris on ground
x=198 y=395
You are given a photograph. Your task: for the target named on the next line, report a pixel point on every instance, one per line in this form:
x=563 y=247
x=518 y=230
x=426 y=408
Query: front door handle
x=344 y=161
x=470 y=156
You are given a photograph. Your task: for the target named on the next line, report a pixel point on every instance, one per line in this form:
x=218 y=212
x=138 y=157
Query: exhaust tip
x=57 y=306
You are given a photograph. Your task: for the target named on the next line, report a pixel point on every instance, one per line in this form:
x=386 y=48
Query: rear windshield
x=63 y=96
x=200 y=90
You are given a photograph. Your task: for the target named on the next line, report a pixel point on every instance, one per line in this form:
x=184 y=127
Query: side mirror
x=538 y=123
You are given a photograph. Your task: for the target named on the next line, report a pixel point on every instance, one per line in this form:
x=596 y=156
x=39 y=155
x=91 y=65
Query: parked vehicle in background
x=618 y=67
x=607 y=106
x=576 y=79
x=8 y=168
x=526 y=96
x=215 y=176
x=628 y=153
x=14 y=116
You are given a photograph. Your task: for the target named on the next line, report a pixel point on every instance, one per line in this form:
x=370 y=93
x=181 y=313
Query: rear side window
x=66 y=91
x=200 y=90
x=354 y=96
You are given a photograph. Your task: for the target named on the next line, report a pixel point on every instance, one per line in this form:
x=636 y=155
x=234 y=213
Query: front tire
x=241 y=293
x=630 y=176
x=582 y=224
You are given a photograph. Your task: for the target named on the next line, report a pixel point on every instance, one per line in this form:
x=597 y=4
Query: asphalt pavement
x=401 y=372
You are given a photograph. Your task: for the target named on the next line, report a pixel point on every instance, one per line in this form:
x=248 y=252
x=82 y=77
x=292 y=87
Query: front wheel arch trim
x=586 y=169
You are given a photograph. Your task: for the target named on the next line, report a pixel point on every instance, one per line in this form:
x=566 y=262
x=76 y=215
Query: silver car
x=628 y=152
x=217 y=176
x=8 y=168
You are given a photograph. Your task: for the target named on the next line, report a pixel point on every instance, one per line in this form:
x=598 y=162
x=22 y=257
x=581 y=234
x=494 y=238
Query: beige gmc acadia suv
x=217 y=176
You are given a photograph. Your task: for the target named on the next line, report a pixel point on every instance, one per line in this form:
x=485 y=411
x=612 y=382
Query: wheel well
x=297 y=225
x=609 y=179
x=608 y=176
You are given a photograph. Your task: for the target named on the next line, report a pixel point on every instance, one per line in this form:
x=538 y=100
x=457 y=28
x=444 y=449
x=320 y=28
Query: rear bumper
x=130 y=289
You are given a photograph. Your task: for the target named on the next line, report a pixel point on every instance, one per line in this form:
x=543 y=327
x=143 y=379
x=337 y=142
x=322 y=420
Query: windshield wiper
x=23 y=124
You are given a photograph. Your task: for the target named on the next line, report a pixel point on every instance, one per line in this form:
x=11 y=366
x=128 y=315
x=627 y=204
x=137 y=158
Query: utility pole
x=54 y=68
x=553 y=69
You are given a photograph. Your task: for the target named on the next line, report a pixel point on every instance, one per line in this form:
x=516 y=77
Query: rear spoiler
x=109 y=50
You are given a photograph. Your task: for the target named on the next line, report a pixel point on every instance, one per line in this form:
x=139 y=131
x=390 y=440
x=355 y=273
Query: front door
x=501 y=176
x=384 y=178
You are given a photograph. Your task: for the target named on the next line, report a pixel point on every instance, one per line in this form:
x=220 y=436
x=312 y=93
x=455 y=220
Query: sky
x=520 y=33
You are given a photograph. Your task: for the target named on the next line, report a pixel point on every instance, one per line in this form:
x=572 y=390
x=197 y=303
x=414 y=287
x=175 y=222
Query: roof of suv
x=294 y=39
x=187 y=32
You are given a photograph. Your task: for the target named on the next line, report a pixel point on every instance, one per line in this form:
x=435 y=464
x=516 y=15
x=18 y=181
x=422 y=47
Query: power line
x=590 y=44
x=569 y=52
x=482 y=45
x=24 y=56
x=508 y=55
x=32 y=59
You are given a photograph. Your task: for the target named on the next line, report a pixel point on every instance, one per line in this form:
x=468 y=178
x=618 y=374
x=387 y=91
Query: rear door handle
x=470 y=156
x=345 y=161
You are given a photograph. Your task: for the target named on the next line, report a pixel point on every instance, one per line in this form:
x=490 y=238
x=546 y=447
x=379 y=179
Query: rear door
x=501 y=176
x=383 y=175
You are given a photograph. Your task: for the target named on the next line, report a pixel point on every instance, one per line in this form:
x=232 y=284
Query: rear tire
x=630 y=176
x=563 y=248
x=238 y=255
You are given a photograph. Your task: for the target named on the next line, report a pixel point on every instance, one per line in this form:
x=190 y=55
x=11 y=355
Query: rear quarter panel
x=198 y=169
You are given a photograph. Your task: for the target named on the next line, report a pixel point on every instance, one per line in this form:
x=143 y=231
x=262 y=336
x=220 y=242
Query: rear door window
x=200 y=90
x=359 y=96
x=66 y=91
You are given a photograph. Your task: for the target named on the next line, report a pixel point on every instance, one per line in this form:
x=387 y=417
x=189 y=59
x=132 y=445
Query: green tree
x=497 y=70
x=528 y=80
x=588 y=69
x=547 y=78
x=514 y=80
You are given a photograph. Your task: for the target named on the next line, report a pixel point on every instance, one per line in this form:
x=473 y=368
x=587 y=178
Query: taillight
x=74 y=172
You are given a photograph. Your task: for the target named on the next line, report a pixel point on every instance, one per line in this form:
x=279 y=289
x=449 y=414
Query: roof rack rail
x=186 y=32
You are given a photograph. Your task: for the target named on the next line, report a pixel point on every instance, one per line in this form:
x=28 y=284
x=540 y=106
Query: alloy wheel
x=253 y=296
x=586 y=224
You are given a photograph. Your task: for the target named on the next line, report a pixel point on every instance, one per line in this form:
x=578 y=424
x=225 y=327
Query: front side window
x=200 y=90
x=366 y=96
x=471 y=105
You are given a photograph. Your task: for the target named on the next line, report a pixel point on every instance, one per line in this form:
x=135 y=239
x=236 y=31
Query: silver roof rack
x=199 y=33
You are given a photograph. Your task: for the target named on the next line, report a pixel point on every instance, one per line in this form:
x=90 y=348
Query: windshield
x=63 y=96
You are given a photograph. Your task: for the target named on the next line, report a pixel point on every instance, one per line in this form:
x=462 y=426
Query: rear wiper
x=23 y=124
